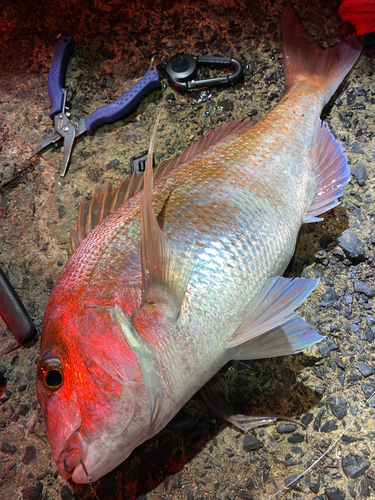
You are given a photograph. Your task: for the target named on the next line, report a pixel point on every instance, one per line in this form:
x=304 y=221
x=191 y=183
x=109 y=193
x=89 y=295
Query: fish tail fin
x=304 y=59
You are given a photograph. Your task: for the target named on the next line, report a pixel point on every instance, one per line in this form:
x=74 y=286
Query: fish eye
x=50 y=374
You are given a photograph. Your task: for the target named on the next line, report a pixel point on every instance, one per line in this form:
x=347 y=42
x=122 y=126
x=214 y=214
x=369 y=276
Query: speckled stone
x=359 y=172
x=354 y=465
x=337 y=405
x=351 y=245
x=365 y=369
x=334 y=494
x=251 y=443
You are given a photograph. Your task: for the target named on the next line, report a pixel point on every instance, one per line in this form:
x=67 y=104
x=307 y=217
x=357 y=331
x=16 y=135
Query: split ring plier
x=110 y=113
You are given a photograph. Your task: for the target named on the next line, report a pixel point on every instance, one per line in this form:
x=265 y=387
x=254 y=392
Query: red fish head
x=89 y=385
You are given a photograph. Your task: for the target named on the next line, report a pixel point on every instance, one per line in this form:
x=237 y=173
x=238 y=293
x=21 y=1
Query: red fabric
x=360 y=13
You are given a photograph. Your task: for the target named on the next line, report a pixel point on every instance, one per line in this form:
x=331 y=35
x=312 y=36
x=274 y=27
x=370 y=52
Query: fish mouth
x=72 y=458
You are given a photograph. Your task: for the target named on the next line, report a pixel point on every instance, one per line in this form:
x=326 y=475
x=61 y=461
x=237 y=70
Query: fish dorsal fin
x=102 y=203
x=332 y=170
x=165 y=270
x=212 y=138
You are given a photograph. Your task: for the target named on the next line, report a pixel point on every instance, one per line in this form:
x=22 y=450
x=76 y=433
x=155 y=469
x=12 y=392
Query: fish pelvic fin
x=271 y=328
x=332 y=170
x=304 y=59
x=165 y=270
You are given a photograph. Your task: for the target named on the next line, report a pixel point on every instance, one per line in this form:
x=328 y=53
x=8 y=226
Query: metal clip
x=182 y=70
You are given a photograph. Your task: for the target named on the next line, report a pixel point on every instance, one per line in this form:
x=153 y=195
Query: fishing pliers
x=109 y=113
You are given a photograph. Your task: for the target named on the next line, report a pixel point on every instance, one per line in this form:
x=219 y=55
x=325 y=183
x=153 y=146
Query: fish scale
x=186 y=275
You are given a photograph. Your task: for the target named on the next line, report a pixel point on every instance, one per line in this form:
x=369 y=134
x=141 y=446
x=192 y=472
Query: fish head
x=89 y=385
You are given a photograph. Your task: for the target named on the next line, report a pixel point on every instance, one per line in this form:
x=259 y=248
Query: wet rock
x=318 y=420
x=8 y=447
x=345 y=122
x=359 y=172
x=334 y=494
x=67 y=494
x=351 y=245
x=337 y=406
x=354 y=465
x=329 y=297
x=307 y=419
x=296 y=438
x=368 y=390
x=365 y=369
x=29 y=456
x=329 y=426
x=34 y=492
x=112 y=164
x=364 y=491
x=227 y=105
x=370 y=335
x=350 y=439
x=286 y=428
x=361 y=287
x=251 y=443
x=357 y=149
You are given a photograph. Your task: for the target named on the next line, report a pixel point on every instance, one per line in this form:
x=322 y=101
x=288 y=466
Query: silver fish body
x=205 y=288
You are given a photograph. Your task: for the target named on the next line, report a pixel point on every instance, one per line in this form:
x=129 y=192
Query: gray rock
x=114 y=163
x=29 y=456
x=286 y=428
x=318 y=420
x=361 y=287
x=365 y=369
x=369 y=334
x=67 y=494
x=351 y=245
x=251 y=443
x=354 y=465
x=329 y=297
x=368 y=390
x=329 y=426
x=8 y=447
x=359 y=172
x=34 y=492
x=337 y=405
x=357 y=148
x=296 y=438
x=334 y=494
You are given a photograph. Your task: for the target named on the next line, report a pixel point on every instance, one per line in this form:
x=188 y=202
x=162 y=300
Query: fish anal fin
x=332 y=170
x=216 y=396
x=272 y=309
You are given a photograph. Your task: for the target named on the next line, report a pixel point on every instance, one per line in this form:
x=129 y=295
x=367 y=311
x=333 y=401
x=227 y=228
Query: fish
x=178 y=273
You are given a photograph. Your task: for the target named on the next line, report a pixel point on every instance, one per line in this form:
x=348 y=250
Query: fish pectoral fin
x=332 y=170
x=272 y=314
x=165 y=270
x=289 y=338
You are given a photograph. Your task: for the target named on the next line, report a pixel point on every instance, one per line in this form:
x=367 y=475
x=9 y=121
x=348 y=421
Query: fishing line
x=66 y=470
x=295 y=480
x=89 y=479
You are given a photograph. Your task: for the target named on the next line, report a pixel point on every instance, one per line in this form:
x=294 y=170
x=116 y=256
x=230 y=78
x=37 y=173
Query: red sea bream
x=185 y=275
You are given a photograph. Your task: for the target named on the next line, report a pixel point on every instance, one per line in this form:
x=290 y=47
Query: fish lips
x=71 y=458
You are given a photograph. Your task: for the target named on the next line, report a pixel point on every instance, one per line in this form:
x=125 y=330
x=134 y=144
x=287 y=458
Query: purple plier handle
x=116 y=110
x=56 y=77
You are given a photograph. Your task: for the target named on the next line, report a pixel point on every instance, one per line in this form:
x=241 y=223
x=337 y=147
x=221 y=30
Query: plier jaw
x=109 y=113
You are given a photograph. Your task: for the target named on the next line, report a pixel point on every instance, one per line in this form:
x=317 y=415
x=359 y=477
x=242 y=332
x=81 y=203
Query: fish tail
x=304 y=59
